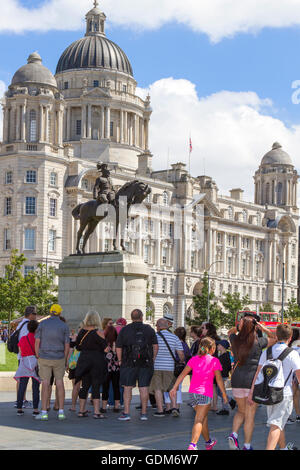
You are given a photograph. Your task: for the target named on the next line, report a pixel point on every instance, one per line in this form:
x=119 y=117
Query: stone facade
x=55 y=129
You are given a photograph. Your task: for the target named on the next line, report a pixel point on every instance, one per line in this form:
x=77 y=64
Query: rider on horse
x=103 y=190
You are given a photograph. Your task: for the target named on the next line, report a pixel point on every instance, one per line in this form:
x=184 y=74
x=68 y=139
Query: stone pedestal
x=112 y=283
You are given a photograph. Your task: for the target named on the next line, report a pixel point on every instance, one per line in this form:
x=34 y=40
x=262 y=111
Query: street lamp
x=51 y=239
x=208 y=286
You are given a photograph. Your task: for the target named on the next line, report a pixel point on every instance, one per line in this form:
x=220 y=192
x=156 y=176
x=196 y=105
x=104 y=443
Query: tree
x=13 y=291
x=41 y=287
x=233 y=303
x=200 y=303
x=267 y=307
x=293 y=310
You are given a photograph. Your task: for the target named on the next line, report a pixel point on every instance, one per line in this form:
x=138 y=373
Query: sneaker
x=223 y=413
x=232 y=403
x=192 y=446
x=143 y=417
x=158 y=414
x=42 y=417
x=210 y=445
x=290 y=421
x=167 y=412
x=175 y=412
x=250 y=448
x=124 y=417
x=61 y=416
x=16 y=404
x=35 y=413
x=297 y=419
x=291 y=446
x=20 y=413
x=27 y=404
x=233 y=442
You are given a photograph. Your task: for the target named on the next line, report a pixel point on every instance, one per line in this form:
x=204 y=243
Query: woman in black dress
x=91 y=367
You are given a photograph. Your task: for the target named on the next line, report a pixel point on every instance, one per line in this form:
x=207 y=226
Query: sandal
x=98 y=416
x=83 y=414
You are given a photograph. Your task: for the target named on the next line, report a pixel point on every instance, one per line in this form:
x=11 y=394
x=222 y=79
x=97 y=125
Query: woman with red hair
x=247 y=348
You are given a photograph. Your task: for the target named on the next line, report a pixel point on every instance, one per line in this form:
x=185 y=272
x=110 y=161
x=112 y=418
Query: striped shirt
x=164 y=360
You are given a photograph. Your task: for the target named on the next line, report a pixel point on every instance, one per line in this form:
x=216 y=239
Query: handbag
x=178 y=366
x=75 y=354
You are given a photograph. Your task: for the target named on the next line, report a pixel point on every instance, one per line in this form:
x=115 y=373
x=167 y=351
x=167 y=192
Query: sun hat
x=169 y=317
x=56 y=309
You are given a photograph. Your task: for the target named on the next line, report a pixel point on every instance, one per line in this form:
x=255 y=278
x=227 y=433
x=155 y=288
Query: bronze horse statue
x=135 y=192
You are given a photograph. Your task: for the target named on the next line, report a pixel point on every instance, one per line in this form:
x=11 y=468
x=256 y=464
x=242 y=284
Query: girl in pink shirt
x=204 y=369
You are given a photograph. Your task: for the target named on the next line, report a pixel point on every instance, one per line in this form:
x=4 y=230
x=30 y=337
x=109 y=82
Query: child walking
x=204 y=369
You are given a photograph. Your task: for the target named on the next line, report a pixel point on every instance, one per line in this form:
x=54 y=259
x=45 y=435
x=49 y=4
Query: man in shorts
x=163 y=377
x=136 y=349
x=278 y=414
x=52 y=345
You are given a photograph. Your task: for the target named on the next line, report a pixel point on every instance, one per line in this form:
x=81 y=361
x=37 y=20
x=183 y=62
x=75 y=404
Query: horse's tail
x=76 y=212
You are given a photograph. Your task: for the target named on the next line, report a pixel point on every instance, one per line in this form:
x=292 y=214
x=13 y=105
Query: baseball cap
x=31 y=310
x=224 y=343
x=56 y=309
x=121 y=322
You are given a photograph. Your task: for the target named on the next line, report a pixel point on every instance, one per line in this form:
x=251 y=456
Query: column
x=18 y=122
x=5 y=124
x=126 y=127
x=69 y=122
x=41 y=123
x=146 y=134
x=60 y=128
x=107 y=122
x=47 y=125
x=89 y=125
x=135 y=118
x=23 y=122
x=83 y=121
x=121 y=127
x=102 y=128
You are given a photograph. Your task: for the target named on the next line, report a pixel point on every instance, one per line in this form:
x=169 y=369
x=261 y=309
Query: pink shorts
x=240 y=392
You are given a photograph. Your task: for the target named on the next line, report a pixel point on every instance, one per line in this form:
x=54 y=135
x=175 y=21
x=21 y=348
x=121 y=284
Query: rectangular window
x=111 y=129
x=29 y=239
x=229 y=264
x=7 y=239
x=153 y=284
x=106 y=245
x=172 y=284
x=30 y=206
x=244 y=267
x=8 y=177
x=31 y=176
x=52 y=240
x=53 y=206
x=96 y=83
x=28 y=270
x=78 y=127
x=146 y=253
x=164 y=285
x=53 y=179
x=219 y=239
x=193 y=260
x=8 y=206
x=125 y=88
x=66 y=85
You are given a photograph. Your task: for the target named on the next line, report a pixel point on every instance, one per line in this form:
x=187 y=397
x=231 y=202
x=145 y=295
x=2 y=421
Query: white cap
x=169 y=317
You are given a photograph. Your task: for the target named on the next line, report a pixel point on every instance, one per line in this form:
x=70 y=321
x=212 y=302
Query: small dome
x=94 y=52
x=34 y=72
x=277 y=156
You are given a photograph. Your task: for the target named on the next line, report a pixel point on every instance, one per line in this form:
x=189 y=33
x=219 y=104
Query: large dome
x=94 y=52
x=34 y=72
x=277 y=156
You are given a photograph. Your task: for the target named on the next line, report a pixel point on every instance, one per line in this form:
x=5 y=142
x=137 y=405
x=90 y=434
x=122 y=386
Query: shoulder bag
x=178 y=366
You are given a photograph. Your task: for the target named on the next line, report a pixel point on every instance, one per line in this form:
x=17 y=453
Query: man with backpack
x=136 y=349
x=272 y=385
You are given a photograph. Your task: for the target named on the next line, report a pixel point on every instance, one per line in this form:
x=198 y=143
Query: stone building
x=56 y=128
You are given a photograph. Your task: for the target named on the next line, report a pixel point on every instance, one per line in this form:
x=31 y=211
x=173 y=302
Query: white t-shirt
x=290 y=363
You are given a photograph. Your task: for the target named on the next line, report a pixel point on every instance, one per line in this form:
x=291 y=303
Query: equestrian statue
x=104 y=193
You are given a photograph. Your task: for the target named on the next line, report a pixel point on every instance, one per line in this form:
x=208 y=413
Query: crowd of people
x=3 y=335
x=106 y=359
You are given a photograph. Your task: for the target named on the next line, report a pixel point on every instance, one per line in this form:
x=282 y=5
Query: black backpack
x=140 y=354
x=12 y=342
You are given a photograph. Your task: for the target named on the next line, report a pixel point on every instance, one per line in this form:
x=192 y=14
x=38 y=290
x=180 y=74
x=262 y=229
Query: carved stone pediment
x=98 y=93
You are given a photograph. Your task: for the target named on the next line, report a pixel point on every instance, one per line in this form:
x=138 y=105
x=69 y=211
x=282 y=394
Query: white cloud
x=230 y=132
x=216 y=18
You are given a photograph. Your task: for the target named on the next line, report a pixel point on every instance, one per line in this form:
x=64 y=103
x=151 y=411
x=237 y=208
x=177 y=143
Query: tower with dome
x=56 y=127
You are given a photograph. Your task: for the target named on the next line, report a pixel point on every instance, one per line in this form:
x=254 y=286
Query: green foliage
x=17 y=291
x=293 y=310
x=266 y=307
x=201 y=306
x=233 y=303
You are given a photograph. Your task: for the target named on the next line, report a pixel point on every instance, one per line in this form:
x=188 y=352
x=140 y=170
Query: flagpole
x=190 y=151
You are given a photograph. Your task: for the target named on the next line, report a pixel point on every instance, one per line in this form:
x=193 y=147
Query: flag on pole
x=191 y=145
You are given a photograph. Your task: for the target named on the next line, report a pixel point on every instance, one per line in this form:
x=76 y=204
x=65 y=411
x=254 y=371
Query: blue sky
x=263 y=63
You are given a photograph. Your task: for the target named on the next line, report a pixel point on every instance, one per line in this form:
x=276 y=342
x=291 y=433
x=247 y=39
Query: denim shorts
x=200 y=400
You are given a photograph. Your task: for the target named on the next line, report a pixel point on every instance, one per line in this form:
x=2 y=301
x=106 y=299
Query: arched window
x=32 y=126
x=167 y=309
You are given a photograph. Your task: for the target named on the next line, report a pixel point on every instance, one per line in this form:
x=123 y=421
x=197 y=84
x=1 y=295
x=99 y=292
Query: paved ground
x=166 y=433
